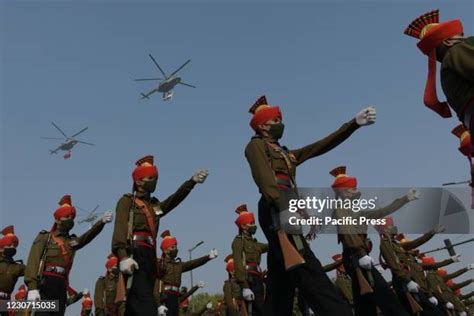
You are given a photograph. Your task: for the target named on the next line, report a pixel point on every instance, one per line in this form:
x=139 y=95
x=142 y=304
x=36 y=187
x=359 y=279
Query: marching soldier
x=410 y=288
x=10 y=270
x=274 y=169
x=233 y=300
x=105 y=293
x=369 y=287
x=136 y=226
x=343 y=281
x=443 y=273
x=170 y=269
x=52 y=255
x=247 y=252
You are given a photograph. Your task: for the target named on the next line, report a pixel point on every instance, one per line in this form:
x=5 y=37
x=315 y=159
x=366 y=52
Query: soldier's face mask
x=115 y=270
x=66 y=225
x=252 y=229
x=173 y=253
x=276 y=130
x=9 y=252
x=149 y=186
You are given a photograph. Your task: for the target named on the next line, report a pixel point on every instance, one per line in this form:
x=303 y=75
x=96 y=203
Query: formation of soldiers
x=139 y=281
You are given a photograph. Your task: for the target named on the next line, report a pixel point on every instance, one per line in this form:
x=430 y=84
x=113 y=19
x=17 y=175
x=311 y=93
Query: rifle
x=414 y=306
x=364 y=285
x=242 y=308
x=121 y=291
x=291 y=256
x=188 y=294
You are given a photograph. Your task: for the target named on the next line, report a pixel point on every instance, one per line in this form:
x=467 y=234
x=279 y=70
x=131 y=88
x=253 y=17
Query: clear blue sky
x=74 y=63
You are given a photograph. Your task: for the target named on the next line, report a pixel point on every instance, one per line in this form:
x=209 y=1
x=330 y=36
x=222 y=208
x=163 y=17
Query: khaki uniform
x=142 y=243
x=272 y=165
x=169 y=280
x=232 y=297
x=344 y=285
x=247 y=252
x=52 y=282
x=104 y=297
x=10 y=272
x=443 y=292
x=457 y=75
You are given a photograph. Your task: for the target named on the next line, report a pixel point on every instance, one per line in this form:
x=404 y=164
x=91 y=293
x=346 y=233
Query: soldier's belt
x=254 y=268
x=171 y=288
x=4 y=295
x=56 y=269
x=143 y=239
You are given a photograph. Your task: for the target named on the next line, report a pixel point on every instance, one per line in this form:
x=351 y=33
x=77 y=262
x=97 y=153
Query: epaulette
x=101 y=277
x=44 y=232
x=18 y=261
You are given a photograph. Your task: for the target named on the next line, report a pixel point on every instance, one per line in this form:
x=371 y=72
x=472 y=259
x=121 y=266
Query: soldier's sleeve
x=173 y=200
x=99 y=297
x=331 y=266
x=461 y=60
x=351 y=241
x=327 y=143
x=21 y=269
x=263 y=247
x=438 y=265
x=466 y=296
x=415 y=243
x=120 y=234
x=455 y=274
x=34 y=258
x=239 y=265
x=74 y=298
x=387 y=210
x=195 y=263
x=461 y=285
x=89 y=235
x=392 y=262
x=262 y=172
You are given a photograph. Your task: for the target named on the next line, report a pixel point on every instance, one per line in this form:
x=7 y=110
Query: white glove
x=470 y=266
x=366 y=116
x=213 y=254
x=128 y=265
x=34 y=295
x=366 y=262
x=248 y=294
x=462 y=314
x=456 y=258
x=413 y=194
x=209 y=306
x=200 y=176
x=200 y=284
x=85 y=292
x=449 y=305
x=107 y=217
x=413 y=287
x=162 y=310
x=433 y=300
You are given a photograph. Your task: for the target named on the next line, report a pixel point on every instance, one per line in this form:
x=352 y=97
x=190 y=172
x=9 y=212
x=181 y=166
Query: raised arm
x=387 y=210
x=176 y=198
x=455 y=274
x=195 y=263
x=89 y=235
x=331 y=266
x=415 y=243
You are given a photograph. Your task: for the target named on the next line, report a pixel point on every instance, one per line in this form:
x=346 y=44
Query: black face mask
x=276 y=130
x=149 y=185
x=252 y=229
x=9 y=252
x=66 y=225
x=115 y=271
x=173 y=253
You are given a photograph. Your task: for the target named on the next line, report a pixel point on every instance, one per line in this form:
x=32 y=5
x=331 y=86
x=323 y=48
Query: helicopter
x=68 y=142
x=166 y=84
x=91 y=216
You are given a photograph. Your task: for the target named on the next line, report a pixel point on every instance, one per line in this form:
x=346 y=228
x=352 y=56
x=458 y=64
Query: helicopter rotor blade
x=149 y=79
x=81 y=131
x=57 y=127
x=158 y=66
x=95 y=208
x=187 y=84
x=81 y=209
x=55 y=138
x=81 y=142
x=182 y=66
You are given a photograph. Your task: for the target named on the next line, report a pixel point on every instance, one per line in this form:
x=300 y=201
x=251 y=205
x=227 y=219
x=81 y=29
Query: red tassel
x=430 y=98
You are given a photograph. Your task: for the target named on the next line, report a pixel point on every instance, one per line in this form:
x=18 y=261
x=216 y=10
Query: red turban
x=144 y=168
x=87 y=303
x=21 y=294
x=464 y=136
x=442 y=272
x=262 y=112
x=9 y=238
x=427 y=261
x=432 y=33
x=65 y=209
x=111 y=262
x=229 y=264
x=343 y=181
x=245 y=217
x=168 y=240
